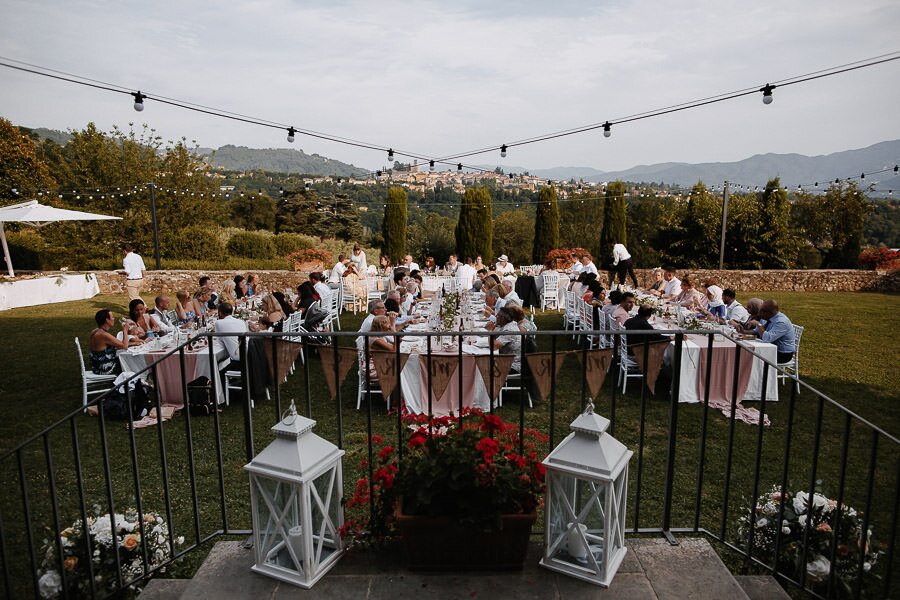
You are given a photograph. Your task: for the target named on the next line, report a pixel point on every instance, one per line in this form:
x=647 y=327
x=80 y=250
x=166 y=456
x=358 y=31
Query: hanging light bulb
x=291 y=132
x=862 y=175
x=431 y=165
x=390 y=155
x=837 y=181
x=607 y=129
x=896 y=168
x=138 y=100
x=503 y=151
x=459 y=167
x=767 y=93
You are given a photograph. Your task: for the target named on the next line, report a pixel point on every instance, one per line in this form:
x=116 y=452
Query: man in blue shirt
x=777 y=329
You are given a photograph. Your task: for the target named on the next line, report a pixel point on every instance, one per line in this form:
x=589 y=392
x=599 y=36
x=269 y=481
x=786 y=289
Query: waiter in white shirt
x=134 y=268
x=465 y=276
x=623 y=264
x=337 y=271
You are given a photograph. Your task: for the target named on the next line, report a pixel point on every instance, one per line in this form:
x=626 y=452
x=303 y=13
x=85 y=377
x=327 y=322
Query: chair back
x=172 y=315
x=80 y=354
x=551 y=283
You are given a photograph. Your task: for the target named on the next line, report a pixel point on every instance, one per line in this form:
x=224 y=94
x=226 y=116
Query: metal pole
x=724 y=225
x=155 y=224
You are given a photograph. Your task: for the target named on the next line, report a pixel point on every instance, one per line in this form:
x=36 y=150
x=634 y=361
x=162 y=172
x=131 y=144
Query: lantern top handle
x=590 y=423
x=293 y=425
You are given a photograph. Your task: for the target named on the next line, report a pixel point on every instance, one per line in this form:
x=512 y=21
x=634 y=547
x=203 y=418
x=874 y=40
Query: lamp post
x=295 y=492
x=587 y=484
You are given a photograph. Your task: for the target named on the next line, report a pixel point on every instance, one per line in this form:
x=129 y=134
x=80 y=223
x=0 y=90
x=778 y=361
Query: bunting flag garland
x=442 y=370
x=346 y=358
x=651 y=370
x=388 y=370
x=502 y=364
x=540 y=364
x=596 y=368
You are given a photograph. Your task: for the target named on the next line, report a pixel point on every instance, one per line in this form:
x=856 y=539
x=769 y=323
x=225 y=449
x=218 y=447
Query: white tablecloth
x=47 y=290
x=690 y=371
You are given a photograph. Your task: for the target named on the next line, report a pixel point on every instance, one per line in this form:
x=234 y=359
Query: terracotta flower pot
x=441 y=544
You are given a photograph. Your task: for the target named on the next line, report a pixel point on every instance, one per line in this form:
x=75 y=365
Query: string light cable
x=606 y=125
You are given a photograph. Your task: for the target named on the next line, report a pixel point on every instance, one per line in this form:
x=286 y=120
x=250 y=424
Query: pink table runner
x=445 y=394
x=168 y=375
x=721 y=380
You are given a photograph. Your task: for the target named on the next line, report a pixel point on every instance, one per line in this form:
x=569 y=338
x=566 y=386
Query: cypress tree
x=546 y=225
x=393 y=228
x=613 y=230
x=474 y=229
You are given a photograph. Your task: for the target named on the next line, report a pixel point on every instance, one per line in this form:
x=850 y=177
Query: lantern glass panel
x=325 y=501
x=582 y=500
x=278 y=509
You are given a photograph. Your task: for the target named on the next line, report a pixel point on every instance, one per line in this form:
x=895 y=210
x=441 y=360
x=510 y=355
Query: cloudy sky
x=442 y=78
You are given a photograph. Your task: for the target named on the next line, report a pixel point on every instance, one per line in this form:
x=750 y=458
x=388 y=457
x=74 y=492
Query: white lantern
x=295 y=492
x=587 y=483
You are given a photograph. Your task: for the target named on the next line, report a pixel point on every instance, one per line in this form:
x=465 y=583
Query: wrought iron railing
x=192 y=468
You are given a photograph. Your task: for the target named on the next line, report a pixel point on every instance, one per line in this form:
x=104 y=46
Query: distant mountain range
x=793 y=169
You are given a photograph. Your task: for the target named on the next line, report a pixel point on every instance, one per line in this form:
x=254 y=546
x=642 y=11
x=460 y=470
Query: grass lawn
x=848 y=352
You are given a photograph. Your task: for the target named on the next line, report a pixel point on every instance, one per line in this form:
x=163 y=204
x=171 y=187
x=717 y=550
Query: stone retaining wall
x=777 y=281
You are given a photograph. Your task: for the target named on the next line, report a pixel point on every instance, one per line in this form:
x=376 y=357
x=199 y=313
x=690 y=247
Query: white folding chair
x=586 y=317
x=91 y=383
x=370 y=385
x=372 y=291
x=348 y=293
x=792 y=367
x=571 y=318
x=513 y=383
x=550 y=293
x=628 y=367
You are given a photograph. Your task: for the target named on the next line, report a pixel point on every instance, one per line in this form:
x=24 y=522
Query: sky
x=440 y=78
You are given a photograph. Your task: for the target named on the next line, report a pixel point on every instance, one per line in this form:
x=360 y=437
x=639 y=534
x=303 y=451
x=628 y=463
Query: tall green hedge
x=249 y=244
x=546 y=225
x=475 y=227
x=393 y=228
x=196 y=242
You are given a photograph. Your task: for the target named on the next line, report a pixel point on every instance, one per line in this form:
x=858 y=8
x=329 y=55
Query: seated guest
x=409 y=264
x=380 y=324
x=478 y=282
x=416 y=277
x=587 y=265
x=184 y=308
x=139 y=323
x=658 y=281
x=735 y=314
x=777 y=329
x=754 y=310
x=594 y=292
x=384 y=265
x=507 y=294
x=430 y=267
x=490 y=281
x=253 y=287
x=452 y=265
x=623 y=312
x=376 y=308
x=284 y=304
x=103 y=344
x=240 y=287
x=491 y=299
x=577 y=267
x=306 y=295
x=689 y=297
x=322 y=288
x=401 y=278
x=213 y=296
x=272 y=315
x=509 y=344
x=226 y=323
x=580 y=285
x=640 y=322
x=615 y=297
x=160 y=314
x=412 y=293
x=228 y=293
x=398 y=320
x=715 y=303
x=504 y=266
x=524 y=323
x=478 y=264
x=200 y=302
x=672 y=286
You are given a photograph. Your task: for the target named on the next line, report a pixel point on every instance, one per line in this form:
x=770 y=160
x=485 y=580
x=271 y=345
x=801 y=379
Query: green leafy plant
x=469 y=468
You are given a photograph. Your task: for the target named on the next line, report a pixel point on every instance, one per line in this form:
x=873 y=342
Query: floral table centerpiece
x=92 y=549
x=813 y=517
x=463 y=496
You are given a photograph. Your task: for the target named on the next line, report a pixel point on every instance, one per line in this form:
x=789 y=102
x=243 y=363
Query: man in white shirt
x=672 y=287
x=376 y=309
x=160 y=316
x=588 y=266
x=226 y=323
x=321 y=288
x=452 y=265
x=465 y=276
x=509 y=295
x=134 y=268
x=734 y=310
x=504 y=266
x=338 y=270
x=623 y=264
x=409 y=264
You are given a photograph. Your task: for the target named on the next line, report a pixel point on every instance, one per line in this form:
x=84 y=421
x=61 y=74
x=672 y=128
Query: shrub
x=251 y=244
x=286 y=243
x=881 y=258
x=195 y=242
x=26 y=250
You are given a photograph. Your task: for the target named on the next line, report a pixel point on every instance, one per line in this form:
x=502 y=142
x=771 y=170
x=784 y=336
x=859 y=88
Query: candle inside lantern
x=576 y=546
x=295 y=539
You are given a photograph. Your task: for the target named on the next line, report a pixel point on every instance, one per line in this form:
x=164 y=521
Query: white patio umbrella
x=37 y=215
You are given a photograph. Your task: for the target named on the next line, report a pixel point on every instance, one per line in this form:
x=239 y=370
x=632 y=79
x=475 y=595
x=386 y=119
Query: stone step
x=652 y=570
x=164 y=589
x=762 y=587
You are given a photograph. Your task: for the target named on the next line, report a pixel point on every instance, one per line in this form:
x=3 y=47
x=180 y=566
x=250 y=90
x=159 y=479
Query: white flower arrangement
x=105 y=534
x=813 y=517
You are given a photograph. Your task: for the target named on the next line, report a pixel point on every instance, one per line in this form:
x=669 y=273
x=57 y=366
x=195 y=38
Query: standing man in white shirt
x=338 y=270
x=134 y=268
x=623 y=264
x=465 y=276
x=504 y=266
x=226 y=323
